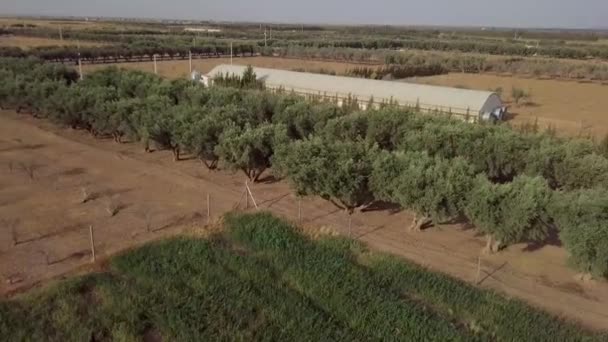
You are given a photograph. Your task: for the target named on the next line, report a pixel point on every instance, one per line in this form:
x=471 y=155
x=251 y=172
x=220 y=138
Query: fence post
x=92 y=242
x=246 y=196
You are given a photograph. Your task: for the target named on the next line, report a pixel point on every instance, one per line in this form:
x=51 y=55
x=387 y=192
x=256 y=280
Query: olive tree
x=433 y=187
x=581 y=218
x=510 y=213
x=250 y=149
x=337 y=171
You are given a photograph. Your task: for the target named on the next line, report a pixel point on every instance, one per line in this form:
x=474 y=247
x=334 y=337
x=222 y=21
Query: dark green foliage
x=512 y=212
x=249 y=149
x=263 y=281
x=433 y=187
x=304 y=118
x=336 y=171
x=242 y=129
x=248 y=80
x=581 y=217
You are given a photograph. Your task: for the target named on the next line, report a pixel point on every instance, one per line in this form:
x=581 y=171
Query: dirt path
x=54 y=223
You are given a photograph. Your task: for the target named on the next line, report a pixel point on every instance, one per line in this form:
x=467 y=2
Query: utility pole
x=270 y=32
x=230 y=53
x=80 y=67
x=265 y=44
x=155 y=69
x=190 y=60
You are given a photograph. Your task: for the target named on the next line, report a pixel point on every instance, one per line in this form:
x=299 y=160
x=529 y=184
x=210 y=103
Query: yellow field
x=572 y=107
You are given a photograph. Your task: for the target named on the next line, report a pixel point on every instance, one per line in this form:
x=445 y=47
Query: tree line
x=513 y=186
x=113 y=54
x=440 y=62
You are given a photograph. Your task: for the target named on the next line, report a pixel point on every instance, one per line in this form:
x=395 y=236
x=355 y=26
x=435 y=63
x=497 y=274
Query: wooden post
x=155 y=68
x=80 y=67
x=208 y=210
x=190 y=60
x=246 y=196
x=230 y=53
x=92 y=243
x=60 y=34
x=251 y=194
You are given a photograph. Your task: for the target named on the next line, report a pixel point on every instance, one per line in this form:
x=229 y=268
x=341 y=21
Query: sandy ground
x=569 y=106
x=31 y=42
x=572 y=108
x=53 y=238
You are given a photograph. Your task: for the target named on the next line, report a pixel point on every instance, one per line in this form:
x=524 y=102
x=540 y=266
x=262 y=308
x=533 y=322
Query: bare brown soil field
x=180 y=68
x=52 y=233
x=31 y=42
x=569 y=106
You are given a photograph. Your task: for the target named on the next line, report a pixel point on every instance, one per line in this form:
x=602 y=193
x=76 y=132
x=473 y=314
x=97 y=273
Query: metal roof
x=426 y=96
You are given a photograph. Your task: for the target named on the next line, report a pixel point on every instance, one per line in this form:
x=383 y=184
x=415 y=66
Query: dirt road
x=158 y=197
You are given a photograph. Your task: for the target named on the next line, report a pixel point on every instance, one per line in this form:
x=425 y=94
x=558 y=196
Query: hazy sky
x=518 y=13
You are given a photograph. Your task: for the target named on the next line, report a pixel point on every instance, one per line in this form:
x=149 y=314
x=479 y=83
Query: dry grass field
x=32 y=42
x=569 y=106
x=45 y=228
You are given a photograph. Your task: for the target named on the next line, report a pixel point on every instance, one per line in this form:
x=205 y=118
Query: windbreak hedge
x=439 y=167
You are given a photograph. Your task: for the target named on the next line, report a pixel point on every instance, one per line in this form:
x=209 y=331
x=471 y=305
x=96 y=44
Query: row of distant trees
x=513 y=186
x=441 y=62
x=420 y=40
x=113 y=54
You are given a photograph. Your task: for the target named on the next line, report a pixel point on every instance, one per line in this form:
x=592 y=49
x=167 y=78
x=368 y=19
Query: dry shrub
x=113 y=205
x=86 y=194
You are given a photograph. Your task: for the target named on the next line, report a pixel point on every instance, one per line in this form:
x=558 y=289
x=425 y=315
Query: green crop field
x=260 y=279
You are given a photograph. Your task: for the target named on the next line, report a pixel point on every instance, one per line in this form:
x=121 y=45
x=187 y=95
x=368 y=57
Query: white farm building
x=465 y=102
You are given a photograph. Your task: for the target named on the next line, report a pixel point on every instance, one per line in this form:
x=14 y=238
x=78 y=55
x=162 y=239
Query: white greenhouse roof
x=426 y=96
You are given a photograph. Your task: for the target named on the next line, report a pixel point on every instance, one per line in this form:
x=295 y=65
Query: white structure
x=473 y=103
x=202 y=29
x=198 y=77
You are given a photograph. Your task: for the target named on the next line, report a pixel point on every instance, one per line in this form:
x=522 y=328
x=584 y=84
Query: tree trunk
x=492 y=246
x=419 y=223
x=175 y=151
x=258 y=174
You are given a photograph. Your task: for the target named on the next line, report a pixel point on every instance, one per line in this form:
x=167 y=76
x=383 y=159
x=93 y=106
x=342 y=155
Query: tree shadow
x=27 y=147
x=392 y=208
x=273 y=200
x=552 y=239
x=73 y=172
x=269 y=179
x=510 y=116
x=530 y=104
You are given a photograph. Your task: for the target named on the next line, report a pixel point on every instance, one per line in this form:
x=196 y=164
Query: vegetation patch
x=284 y=287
